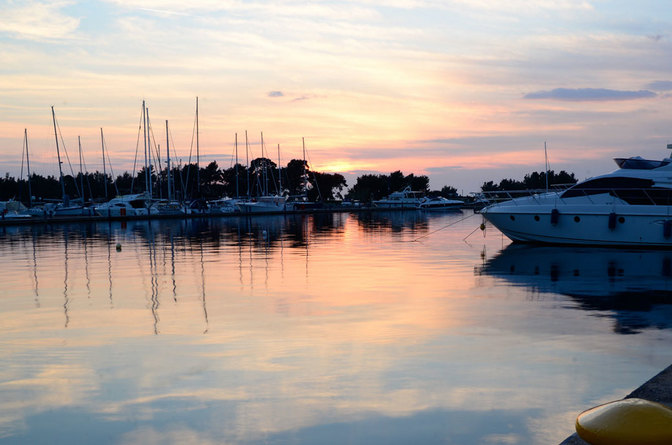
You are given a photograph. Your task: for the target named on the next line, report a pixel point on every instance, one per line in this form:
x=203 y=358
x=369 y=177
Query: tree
x=373 y=187
x=448 y=192
x=531 y=181
x=327 y=186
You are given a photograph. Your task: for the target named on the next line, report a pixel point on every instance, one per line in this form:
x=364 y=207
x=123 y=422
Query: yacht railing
x=496 y=196
x=631 y=195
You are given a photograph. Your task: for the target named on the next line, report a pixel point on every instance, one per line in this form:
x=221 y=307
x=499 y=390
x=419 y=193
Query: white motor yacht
x=139 y=204
x=631 y=206
x=440 y=204
x=404 y=199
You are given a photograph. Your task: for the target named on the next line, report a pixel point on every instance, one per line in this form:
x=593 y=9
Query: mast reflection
x=633 y=286
x=66 y=302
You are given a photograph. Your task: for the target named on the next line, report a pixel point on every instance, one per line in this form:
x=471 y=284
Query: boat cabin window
x=636 y=191
x=606 y=185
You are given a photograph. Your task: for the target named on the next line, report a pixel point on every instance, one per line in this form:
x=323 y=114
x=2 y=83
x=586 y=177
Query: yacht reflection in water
x=394 y=221
x=632 y=286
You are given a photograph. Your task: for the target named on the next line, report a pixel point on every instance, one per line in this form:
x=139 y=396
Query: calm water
x=359 y=329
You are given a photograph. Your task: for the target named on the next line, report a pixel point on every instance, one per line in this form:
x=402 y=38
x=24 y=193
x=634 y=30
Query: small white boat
x=139 y=204
x=223 y=206
x=440 y=204
x=166 y=207
x=13 y=210
x=631 y=206
x=404 y=199
x=264 y=204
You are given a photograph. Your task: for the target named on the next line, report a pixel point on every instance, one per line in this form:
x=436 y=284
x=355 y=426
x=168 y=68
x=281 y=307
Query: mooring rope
x=441 y=228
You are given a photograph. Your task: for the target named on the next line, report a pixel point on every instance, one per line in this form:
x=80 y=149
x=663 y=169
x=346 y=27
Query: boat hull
x=599 y=225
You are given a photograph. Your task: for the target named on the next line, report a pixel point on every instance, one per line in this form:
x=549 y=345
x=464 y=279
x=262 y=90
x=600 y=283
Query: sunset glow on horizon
x=463 y=91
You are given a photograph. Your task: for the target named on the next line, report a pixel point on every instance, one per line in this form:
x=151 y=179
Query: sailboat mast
x=81 y=172
x=303 y=142
x=102 y=147
x=247 y=163
x=144 y=139
x=30 y=191
x=279 y=172
x=58 y=153
x=170 y=190
x=305 y=175
x=237 y=165
x=546 y=161
x=198 y=155
x=149 y=155
x=264 y=172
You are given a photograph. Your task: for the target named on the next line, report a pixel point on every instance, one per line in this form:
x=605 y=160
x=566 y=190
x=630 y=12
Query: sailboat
x=12 y=209
x=65 y=207
x=168 y=207
x=301 y=202
x=133 y=204
x=265 y=203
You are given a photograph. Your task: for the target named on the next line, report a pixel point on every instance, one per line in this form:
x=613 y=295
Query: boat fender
x=667 y=228
x=612 y=221
x=555 y=216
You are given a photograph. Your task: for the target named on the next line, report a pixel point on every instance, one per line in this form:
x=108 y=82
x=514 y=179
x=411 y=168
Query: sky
x=464 y=91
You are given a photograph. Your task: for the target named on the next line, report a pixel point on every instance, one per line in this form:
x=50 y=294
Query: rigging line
x=441 y=228
x=191 y=150
x=137 y=145
x=157 y=151
x=87 y=177
x=157 y=158
x=23 y=155
x=72 y=171
x=109 y=164
x=178 y=166
x=233 y=156
x=311 y=171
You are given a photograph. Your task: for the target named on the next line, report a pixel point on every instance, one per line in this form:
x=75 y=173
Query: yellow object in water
x=626 y=422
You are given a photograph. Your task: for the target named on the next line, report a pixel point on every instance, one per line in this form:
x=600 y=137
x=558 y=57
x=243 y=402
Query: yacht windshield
x=638 y=163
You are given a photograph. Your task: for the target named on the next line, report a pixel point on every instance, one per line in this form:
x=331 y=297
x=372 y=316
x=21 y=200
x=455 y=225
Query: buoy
x=555 y=215
x=482 y=226
x=118 y=247
x=612 y=221
x=626 y=422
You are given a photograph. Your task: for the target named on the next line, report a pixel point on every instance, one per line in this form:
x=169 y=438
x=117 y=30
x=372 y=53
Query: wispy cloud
x=590 y=94
x=34 y=20
x=660 y=85
x=275 y=94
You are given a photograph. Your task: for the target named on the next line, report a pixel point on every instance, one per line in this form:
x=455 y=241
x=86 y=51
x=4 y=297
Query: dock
x=45 y=219
x=658 y=389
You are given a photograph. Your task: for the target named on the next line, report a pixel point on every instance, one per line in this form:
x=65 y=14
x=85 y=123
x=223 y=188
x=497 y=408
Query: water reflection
x=292 y=329
x=394 y=221
x=634 y=287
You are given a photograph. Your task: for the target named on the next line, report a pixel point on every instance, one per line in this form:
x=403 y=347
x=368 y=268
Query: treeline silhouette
x=531 y=181
x=188 y=182
x=262 y=177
